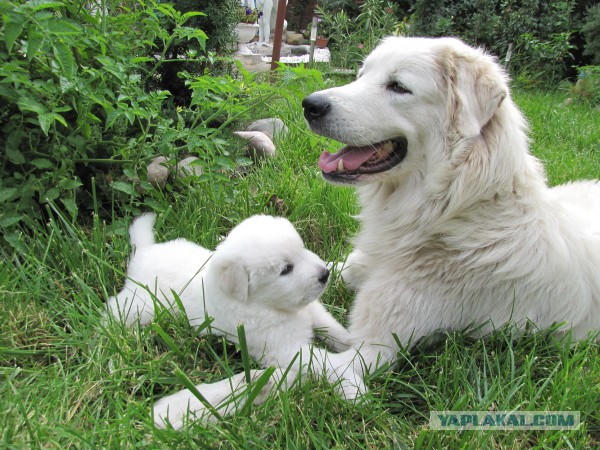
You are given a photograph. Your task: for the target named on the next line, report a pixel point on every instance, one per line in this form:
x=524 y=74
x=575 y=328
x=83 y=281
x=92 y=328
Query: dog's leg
x=226 y=397
x=327 y=328
x=345 y=370
x=354 y=270
x=223 y=396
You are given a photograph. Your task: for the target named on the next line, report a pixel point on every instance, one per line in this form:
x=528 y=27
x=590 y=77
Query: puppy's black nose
x=324 y=276
x=315 y=106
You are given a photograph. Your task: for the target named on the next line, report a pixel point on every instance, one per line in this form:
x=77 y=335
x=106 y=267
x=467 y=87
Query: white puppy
x=458 y=225
x=260 y=276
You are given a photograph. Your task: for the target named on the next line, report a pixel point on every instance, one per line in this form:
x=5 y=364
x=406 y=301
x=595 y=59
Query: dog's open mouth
x=350 y=162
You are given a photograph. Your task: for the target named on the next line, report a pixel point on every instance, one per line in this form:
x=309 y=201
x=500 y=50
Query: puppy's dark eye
x=287 y=269
x=397 y=88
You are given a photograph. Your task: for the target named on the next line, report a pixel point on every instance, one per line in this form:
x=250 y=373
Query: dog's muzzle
x=350 y=164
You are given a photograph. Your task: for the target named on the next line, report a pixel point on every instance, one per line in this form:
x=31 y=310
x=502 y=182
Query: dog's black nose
x=315 y=106
x=324 y=276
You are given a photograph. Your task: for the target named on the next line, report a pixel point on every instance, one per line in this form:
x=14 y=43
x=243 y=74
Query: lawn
x=72 y=380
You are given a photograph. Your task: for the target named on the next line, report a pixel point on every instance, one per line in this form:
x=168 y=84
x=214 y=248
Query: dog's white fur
x=260 y=276
x=465 y=229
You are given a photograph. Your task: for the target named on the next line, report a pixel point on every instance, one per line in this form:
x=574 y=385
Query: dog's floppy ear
x=477 y=87
x=232 y=277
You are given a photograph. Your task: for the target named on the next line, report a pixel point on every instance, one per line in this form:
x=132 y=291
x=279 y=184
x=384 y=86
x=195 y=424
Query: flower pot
x=245 y=33
x=321 y=42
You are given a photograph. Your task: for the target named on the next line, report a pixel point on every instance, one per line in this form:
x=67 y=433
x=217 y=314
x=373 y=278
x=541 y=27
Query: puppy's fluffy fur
x=458 y=225
x=260 y=276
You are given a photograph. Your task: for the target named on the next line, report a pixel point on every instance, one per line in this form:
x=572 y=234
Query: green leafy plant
x=81 y=122
x=351 y=38
x=539 y=31
x=72 y=85
x=587 y=87
x=541 y=61
x=218 y=22
x=591 y=33
x=248 y=15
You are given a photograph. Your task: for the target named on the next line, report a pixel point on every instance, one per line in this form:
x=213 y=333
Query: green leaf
x=16 y=242
x=51 y=194
x=112 y=117
x=193 y=33
x=225 y=162
x=46 y=120
x=167 y=9
x=12 y=30
x=139 y=59
x=187 y=15
x=70 y=184
x=63 y=28
x=42 y=163
x=71 y=206
x=7 y=193
x=34 y=43
x=64 y=56
x=14 y=155
x=37 y=5
x=59 y=118
x=124 y=187
x=92 y=118
x=10 y=220
x=29 y=104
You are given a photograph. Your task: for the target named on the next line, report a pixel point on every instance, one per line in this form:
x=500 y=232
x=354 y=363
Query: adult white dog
x=260 y=276
x=458 y=225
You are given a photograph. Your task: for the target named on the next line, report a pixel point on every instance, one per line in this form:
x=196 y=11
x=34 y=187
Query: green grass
x=71 y=381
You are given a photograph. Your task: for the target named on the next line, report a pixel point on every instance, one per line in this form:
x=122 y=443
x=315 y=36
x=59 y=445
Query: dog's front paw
x=352 y=270
x=341 y=268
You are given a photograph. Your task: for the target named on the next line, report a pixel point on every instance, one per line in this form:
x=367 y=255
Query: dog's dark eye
x=398 y=88
x=287 y=269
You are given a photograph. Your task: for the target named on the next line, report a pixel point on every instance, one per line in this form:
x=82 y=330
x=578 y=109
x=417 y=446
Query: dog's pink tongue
x=351 y=158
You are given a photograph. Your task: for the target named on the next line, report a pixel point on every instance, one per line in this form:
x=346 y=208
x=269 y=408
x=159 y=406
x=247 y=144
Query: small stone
x=295 y=38
x=186 y=167
x=271 y=127
x=158 y=172
x=259 y=144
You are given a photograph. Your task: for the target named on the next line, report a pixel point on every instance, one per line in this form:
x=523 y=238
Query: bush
x=540 y=31
x=351 y=38
x=218 y=22
x=587 y=87
x=591 y=33
x=72 y=83
x=541 y=62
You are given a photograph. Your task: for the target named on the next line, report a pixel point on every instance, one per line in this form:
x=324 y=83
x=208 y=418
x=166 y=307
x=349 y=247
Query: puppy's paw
x=352 y=390
x=224 y=398
x=174 y=409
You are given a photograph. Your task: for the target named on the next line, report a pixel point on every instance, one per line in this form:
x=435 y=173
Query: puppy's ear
x=233 y=278
x=477 y=87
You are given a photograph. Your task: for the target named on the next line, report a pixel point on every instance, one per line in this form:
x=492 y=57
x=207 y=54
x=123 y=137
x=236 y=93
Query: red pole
x=278 y=37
